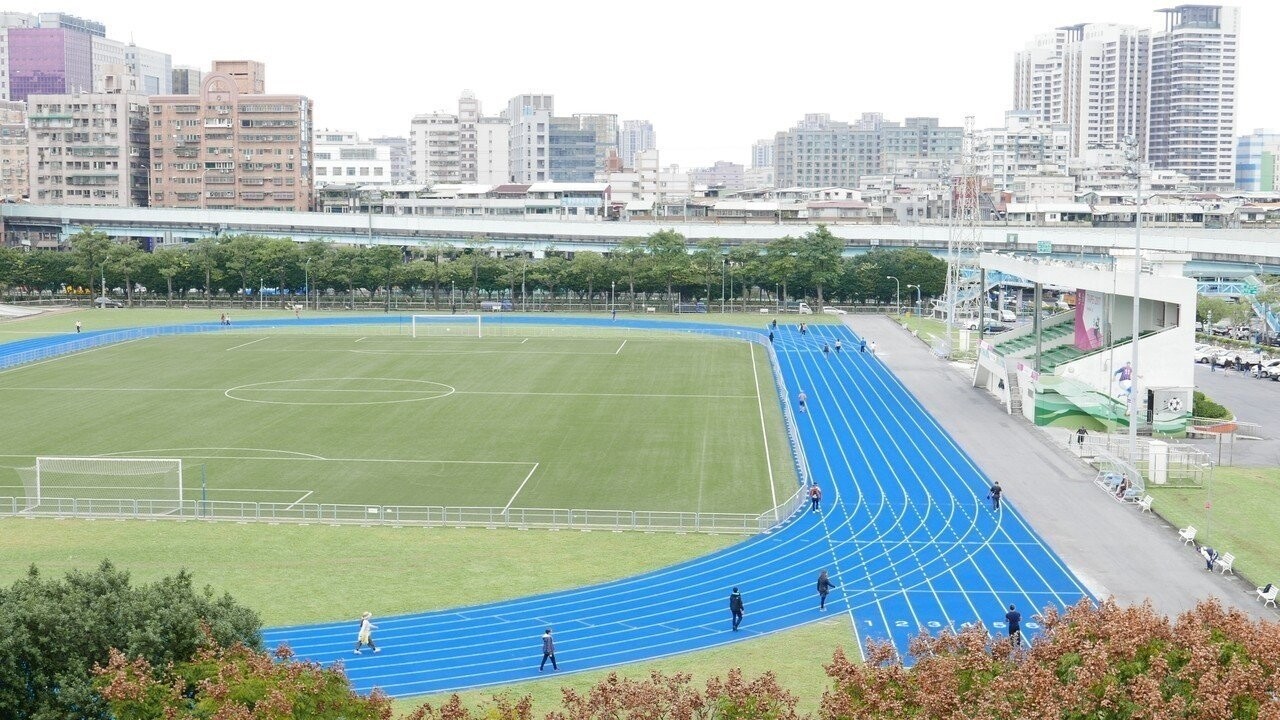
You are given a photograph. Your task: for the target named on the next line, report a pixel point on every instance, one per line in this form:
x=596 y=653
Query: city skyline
x=712 y=82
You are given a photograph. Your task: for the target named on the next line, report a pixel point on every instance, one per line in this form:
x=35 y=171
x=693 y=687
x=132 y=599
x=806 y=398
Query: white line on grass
x=619 y=350
x=359 y=339
x=517 y=492
x=768 y=461
x=249 y=343
x=624 y=395
x=295 y=502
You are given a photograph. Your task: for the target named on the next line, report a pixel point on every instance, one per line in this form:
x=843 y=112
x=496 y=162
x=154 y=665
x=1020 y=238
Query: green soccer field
x=521 y=418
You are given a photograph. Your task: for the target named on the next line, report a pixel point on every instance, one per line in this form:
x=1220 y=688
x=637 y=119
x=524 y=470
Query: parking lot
x=1252 y=401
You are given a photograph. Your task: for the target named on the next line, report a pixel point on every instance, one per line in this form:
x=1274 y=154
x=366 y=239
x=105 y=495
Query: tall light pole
x=897 y=292
x=919 y=301
x=613 y=294
x=1135 y=160
x=723 y=265
x=306 y=283
x=261 y=284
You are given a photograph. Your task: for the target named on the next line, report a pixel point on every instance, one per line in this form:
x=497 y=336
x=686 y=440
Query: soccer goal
x=448 y=326
x=153 y=480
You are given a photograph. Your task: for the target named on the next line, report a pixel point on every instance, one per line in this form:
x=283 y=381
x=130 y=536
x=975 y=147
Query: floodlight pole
x=897 y=292
x=306 y=283
x=1136 y=169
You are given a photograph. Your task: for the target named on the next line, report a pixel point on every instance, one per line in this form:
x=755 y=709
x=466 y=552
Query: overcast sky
x=711 y=76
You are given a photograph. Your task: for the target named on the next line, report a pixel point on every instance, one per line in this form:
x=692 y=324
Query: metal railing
x=400 y=515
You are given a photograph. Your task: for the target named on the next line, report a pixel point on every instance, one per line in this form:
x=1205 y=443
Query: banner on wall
x=1089 y=310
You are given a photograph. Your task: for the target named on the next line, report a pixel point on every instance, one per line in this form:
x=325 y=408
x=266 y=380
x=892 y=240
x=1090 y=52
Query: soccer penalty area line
x=507 y=507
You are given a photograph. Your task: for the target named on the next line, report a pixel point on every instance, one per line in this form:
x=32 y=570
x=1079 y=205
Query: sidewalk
x=1113 y=549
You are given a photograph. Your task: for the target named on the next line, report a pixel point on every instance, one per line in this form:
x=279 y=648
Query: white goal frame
x=105 y=462
x=413 y=324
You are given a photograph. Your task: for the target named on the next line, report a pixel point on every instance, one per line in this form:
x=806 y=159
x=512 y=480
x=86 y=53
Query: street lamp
x=613 y=290
x=723 y=266
x=261 y=284
x=897 y=292
x=103 y=269
x=306 y=283
x=919 y=302
x=1135 y=160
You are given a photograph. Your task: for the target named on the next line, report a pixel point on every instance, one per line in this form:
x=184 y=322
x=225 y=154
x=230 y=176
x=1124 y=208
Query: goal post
x=154 y=479
x=447 y=326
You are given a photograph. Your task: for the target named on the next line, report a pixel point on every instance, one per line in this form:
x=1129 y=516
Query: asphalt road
x=1112 y=547
x=1252 y=401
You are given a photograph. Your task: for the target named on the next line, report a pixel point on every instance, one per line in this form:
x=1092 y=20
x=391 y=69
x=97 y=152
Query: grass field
x=369 y=415
x=1243 y=517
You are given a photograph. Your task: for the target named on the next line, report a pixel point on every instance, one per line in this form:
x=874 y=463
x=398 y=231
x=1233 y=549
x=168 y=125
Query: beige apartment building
x=13 y=151
x=88 y=149
x=232 y=146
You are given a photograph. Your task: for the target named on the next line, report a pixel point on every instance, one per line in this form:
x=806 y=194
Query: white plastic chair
x=1188 y=534
x=1145 y=503
x=1225 y=561
x=1268 y=597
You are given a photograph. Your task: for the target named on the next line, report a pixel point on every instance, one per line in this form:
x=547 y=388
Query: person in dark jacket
x=736 y=607
x=1014 y=618
x=824 y=587
x=548 y=651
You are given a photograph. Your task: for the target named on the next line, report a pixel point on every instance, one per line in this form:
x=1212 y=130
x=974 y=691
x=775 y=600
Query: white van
x=803 y=309
x=1003 y=315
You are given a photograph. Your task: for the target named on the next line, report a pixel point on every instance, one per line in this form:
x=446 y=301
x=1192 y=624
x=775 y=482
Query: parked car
x=828 y=310
x=1204 y=353
x=496 y=305
x=801 y=308
x=1270 y=369
x=698 y=307
x=989 y=327
x=106 y=302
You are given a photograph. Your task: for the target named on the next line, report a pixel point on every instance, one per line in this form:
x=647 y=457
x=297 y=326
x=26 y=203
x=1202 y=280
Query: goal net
x=470 y=326
x=157 y=481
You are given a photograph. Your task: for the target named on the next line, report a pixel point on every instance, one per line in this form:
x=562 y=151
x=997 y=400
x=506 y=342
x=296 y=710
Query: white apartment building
x=109 y=65
x=14 y=185
x=639 y=189
x=435 y=146
x=1037 y=78
x=152 y=69
x=341 y=157
x=89 y=149
x=1194 y=93
x=530 y=139
x=1256 y=155
x=492 y=164
x=1022 y=147
x=762 y=154
x=636 y=137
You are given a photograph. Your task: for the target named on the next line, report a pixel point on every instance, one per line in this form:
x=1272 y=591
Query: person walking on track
x=736 y=607
x=994 y=495
x=548 y=651
x=815 y=498
x=365 y=636
x=802 y=397
x=1014 y=618
x=824 y=587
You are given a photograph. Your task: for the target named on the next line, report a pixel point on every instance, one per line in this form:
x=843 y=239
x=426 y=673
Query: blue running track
x=905 y=533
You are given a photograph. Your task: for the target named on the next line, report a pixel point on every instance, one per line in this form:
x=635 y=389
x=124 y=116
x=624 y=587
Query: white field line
x=764 y=432
x=325 y=459
x=24 y=388
x=295 y=502
x=507 y=507
x=237 y=347
x=359 y=339
x=619 y=350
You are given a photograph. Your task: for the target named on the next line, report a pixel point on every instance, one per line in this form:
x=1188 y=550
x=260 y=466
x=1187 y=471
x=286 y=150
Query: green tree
x=707 y=264
x=818 y=254
x=55 y=631
x=588 y=269
x=781 y=263
x=170 y=263
x=628 y=260
x=669 y=258
x=91 y=249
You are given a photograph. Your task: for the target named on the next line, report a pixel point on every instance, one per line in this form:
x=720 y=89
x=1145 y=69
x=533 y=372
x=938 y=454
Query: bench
x=1145 y=503
x=1226 y=561
x=650 y=309
x=1268 y=597
x=1188 y=534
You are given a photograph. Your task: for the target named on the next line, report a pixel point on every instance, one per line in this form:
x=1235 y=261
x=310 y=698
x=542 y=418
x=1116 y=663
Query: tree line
x=664 y=264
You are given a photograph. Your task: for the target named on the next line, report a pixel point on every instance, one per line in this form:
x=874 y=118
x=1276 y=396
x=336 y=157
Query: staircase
x=1015 y=395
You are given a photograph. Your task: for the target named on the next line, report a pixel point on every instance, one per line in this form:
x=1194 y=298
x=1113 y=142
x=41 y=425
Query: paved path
x=1113 y=548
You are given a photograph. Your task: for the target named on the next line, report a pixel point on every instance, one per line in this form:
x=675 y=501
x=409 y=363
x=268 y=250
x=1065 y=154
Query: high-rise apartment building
x=14 y=185
x=636 y=137
x=528 y=142
x=820 y=152
x=88 y=149
x=341 y=157
x=1193 y=97
x=493 y=166
x=398 y=151
x=1025 y=145
x=152 y=69
x=762 y=154
x=229 y=148
x=723 y=174
x=1092 y=77
x=1256 y=154
x=435 y=143
x=109 y=65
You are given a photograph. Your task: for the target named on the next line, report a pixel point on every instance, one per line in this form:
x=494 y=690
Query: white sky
x=711 y=76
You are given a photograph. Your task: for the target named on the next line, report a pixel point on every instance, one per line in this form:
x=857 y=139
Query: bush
x=1203 y=407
